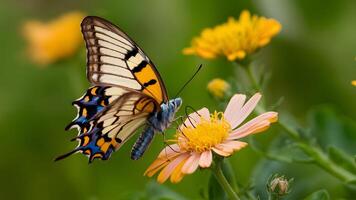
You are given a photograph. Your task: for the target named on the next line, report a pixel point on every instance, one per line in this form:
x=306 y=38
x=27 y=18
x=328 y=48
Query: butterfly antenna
x=191 y=78
x=189 y=118
x=166 y=143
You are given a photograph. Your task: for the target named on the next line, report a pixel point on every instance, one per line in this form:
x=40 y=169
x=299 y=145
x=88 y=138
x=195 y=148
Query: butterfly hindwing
x=92 y=102
x=114 y=59
x=112 y=127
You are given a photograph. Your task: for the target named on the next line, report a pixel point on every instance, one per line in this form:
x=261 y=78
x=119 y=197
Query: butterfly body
x=158 y=122
x=162 y=119
x=127 y=94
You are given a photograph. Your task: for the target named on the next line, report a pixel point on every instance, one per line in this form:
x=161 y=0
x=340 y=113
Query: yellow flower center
x=205 y=135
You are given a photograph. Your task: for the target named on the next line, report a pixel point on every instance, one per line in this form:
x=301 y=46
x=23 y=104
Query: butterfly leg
x=142 y=143
x=178 y=118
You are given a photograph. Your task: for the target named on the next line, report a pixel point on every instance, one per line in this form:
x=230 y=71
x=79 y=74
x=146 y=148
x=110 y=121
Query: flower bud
x=278 y=185
x=218 y=88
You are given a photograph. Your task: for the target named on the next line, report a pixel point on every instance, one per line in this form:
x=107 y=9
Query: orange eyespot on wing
x=114 y=59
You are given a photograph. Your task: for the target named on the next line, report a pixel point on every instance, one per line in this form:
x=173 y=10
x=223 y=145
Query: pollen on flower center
x=205 y=135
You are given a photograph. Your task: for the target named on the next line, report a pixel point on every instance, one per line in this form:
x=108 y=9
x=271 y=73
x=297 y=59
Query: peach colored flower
x=204 y=133
x=353 y=83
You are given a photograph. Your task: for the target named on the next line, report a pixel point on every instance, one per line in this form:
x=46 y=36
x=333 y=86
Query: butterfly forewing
x=114 y=59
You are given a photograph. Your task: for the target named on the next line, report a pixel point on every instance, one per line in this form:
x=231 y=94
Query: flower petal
x=240 y=115
x=206 y=159
x=155 y=167
x=191 y=164
x=234 y=145
x=158 y=164
x=167 y=171
x=256 y=125
x=220 y=151
x=225 y=149
x=235 y=104
x=169 y=151
x=177 y=174
x=194 y=118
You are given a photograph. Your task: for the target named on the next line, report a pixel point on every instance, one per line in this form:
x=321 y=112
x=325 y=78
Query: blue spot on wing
x=93 y=102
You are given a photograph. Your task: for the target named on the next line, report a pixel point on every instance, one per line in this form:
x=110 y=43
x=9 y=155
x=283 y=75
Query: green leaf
x=318 y=195
x=342 y=158
x=281 y=149
x=333 y=129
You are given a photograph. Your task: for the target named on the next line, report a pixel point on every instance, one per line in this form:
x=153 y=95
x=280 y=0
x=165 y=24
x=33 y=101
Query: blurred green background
x=311 y=62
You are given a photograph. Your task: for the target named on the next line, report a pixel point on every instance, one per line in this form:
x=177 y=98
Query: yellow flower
x=353 y=83
x=55 y=40
x=234 y=39
x=205 y=133
x=218 y=88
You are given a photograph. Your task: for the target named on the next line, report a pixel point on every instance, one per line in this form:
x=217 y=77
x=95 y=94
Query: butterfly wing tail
x=93 y=145
x=89 y=105
x=65 y=155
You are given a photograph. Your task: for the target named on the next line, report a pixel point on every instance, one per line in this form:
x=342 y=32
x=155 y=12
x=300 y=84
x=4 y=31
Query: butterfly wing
x=94 y=101
x=127 y=89
x=114 y=59
x=112 y=127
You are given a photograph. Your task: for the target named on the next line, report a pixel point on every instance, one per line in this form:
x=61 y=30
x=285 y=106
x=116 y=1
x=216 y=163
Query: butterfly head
x=175 y=103
x=172 y=107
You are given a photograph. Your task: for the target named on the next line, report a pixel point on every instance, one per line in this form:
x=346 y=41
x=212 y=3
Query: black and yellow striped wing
x=114 y=59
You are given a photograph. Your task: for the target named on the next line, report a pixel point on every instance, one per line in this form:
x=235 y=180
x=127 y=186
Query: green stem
x=319 y=157
x=290 y=131
x=218 y=173
x=252 y=78
x=227 y=167
x=323 y=161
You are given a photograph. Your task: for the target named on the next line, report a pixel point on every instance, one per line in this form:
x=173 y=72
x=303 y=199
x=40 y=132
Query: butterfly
x=127 y=93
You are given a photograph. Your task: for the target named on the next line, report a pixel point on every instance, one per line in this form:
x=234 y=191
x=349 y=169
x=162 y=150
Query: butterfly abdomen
x=142 y=143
